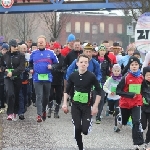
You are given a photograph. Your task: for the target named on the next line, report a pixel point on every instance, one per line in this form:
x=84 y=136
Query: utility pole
x=55 y=24
x=24 y=25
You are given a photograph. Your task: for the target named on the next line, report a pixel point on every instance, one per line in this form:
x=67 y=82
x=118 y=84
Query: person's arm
x=70 y=84
x=17 y=71
x=146 y=61
x=98 y=96
x=71 y=69
x=54 y=58
x=2 y=64
x=97 y=71
x=106 y=85
x=120 y=87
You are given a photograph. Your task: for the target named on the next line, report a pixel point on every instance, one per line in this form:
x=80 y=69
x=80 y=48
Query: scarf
x=101 y=59
x=117 y=78
x=135 y=74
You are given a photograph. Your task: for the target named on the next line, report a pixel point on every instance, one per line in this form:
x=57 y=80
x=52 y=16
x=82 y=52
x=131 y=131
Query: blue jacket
x=40 y=61
x=125 y=60
x=94 y=67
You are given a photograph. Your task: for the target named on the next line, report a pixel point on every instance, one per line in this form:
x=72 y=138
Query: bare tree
x=54 y=22
x=135 y=7
x=23 y=25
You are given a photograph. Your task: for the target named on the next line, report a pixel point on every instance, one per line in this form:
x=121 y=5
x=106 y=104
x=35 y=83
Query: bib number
x=135 y=88
x=80 y=97
x=43 y=77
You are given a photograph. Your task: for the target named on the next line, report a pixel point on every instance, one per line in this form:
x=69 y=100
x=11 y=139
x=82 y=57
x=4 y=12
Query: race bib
x=135 y=88
x=43 y=77
x=80 y=97
x=113 y=89
x=10 y=70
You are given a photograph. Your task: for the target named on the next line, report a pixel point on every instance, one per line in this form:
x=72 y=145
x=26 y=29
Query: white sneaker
x=15 y=117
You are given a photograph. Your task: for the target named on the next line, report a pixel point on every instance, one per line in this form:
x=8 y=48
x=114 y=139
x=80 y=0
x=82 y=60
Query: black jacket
x=58 y=71
x=1 y=73
x=105 y=67
x=14 y=61
x=72 y=55
x=146 y=94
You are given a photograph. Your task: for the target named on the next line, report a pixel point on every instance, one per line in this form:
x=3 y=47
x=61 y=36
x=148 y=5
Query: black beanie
x=145 y=70
x=13 y=43
x=136 y=53
x=34 y=44
x=132 y=59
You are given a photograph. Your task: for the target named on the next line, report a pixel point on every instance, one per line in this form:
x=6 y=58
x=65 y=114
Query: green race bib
x=10 y=70
x=135 y=88
x=80 y=97
x=113 y=89
x=43 y=77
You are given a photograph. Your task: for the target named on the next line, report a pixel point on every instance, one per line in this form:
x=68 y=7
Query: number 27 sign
x=142 y=34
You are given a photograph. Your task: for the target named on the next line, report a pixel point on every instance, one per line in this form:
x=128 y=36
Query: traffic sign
x=7 y=3
x=129 y=30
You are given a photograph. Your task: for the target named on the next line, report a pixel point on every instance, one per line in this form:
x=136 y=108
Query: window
x=111 y=28
x=102 y=27
x=68 y=27
x=119 y=28
x=111 y=43
x=87 y=27
x=94 y=29
x=77 y=27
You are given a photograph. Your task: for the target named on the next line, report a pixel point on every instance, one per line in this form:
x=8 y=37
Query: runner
x=130 y=103
x=41 y=62
x=145 y=116
x=82 y=81
x=56 y=86
x=13 y=64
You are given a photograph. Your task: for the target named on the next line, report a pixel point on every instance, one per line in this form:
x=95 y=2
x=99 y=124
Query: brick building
x=96 y=28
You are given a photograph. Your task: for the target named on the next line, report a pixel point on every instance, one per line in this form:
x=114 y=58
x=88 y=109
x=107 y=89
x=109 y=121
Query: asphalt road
x=57 y=134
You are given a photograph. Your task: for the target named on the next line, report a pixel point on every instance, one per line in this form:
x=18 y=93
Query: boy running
x=82 y=81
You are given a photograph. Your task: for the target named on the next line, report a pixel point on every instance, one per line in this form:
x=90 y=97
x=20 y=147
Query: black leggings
x=55 y=93
x=12 y=95
x=137 y=132
x=145 y=120
x=82 y=120
x=114 y=108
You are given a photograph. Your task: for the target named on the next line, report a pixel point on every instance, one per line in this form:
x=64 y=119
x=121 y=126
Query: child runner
x=145 y=117
x=110 y=88
x=129 y=88
x=82 y=81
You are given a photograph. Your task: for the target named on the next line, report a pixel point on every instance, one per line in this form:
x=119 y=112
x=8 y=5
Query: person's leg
x=148 y=131
x=46 y=94
x=10 y=97
x=17 y=87
x=39 y=97
x=21 y=104
x=137 y=131
x=25 y=93
x=100 y=106
x=33 y=94
x=116 y=113
x=58 y=90
x=76 y=113
x=125 y=114
x=86 y=119
x=51 y=98
x=2 y=95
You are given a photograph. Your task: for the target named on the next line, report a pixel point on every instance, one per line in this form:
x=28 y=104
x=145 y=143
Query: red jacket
x=65 y=51
x=127 y=99
x=112 y=58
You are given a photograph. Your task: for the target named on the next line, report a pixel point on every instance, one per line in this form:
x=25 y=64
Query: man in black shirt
x=82 y=81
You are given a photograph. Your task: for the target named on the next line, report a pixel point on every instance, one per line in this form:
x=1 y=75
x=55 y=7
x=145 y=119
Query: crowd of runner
x=82 y=75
